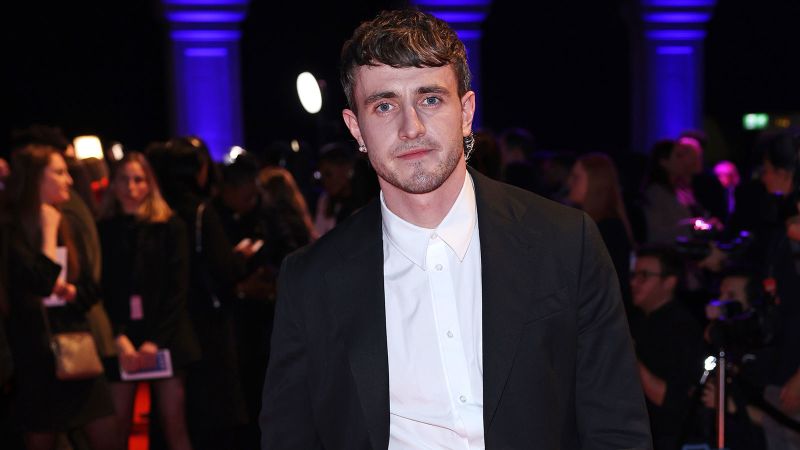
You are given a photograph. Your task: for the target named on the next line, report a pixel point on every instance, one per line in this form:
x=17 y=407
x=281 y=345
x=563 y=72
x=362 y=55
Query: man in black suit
x=454 y=311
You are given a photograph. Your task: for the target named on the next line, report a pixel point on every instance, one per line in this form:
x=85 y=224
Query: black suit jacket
x=558 y=366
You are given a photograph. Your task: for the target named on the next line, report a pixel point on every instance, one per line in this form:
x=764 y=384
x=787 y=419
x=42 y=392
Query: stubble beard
x=422 y=180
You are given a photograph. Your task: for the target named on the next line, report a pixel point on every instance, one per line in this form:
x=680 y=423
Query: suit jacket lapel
x=358 y=307
x=507 y=255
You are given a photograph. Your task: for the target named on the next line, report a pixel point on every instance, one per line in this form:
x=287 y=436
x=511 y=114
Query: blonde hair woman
x=145 y=279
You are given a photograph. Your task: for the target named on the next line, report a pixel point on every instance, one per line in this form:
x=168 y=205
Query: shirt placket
x=448 y=331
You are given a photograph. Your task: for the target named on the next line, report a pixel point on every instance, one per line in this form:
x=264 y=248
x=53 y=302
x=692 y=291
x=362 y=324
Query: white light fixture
x=232 y=154
x=88 y=147
x=117 y=152
x=295 y=144
x=309 y=92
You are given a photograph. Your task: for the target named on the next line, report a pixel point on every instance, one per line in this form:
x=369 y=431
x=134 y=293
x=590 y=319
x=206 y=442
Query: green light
x=756 y=121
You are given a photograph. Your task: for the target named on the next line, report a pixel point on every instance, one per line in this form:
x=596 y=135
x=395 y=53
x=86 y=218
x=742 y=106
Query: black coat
x=45 y=404
x=214 y=397
x=150 y=260
x=558 y=364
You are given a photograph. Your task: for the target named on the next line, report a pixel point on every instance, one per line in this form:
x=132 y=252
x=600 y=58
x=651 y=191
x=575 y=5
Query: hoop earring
x=362 y=148
x=469 y=145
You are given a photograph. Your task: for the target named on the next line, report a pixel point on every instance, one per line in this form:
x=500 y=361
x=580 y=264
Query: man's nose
x=412 y=127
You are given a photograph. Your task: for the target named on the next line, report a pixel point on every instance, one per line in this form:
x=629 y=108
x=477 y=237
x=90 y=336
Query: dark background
x=560 y=69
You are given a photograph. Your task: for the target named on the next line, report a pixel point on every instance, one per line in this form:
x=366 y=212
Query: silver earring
x=469 y=144
x=362 y=148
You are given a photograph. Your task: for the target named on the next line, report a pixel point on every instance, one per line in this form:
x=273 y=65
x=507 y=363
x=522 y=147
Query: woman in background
x=670 y=198
x=38 y=185
x=145 y=280
x=283 y=198
x=594 y=187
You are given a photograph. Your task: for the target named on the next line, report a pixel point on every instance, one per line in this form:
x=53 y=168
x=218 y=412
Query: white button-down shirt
x=432 y=283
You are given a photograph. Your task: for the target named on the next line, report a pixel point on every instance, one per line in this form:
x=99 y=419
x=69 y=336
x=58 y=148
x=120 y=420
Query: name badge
x=137 y=311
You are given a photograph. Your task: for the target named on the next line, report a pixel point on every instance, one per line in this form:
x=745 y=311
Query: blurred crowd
x=168 y=249
x=707 y=258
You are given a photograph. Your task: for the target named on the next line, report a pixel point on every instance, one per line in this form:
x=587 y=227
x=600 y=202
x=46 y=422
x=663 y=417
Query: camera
x=742 y=328
x=697 y=243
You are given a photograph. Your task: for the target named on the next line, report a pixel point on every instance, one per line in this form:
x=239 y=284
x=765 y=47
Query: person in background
x=248 y=223
x=669 y=344
x=780 y=231
x=737 y=325
x=728 y=176
x=79 y=212
x=214 y=399
x=554 y=169
x=706 y=186
x=338 y=199
x=594 y=187
x=45 y=406
x=5 y=171
x=145 y=282
x=10 y=437
x=517 y=147
x=282 y=196
x=486 y=157
x=669 y=198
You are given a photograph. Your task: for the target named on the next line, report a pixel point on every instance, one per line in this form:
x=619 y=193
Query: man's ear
x=351 y=120
x=467 y=112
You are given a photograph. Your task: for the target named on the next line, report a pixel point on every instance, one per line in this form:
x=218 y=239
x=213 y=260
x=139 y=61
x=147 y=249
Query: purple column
x=206 y=92
x=466 y=18
x=669 y=91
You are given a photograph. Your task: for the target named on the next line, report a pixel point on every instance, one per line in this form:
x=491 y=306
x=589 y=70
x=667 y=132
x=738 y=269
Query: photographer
x=780 y=178
x=738 y=325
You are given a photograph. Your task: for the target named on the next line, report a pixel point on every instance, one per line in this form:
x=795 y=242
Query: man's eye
x=383 y=107
x=432 y=101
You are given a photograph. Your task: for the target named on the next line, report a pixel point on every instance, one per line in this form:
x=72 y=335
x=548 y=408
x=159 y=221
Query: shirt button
x=449 y=333
x=439 y=267
x=462 y=399
x=434 y=236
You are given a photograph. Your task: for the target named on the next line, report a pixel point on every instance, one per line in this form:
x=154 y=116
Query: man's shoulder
x=530 y=208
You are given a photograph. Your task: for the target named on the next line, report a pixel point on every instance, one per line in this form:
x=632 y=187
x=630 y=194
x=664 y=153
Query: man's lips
x=415 y=153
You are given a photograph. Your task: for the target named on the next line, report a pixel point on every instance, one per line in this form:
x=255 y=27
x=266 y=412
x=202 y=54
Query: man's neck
x=426 y=210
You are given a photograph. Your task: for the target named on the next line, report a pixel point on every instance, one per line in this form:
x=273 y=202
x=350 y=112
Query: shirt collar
x=455 y=230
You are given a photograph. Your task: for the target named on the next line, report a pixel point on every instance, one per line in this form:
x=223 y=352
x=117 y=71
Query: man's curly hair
x=403 y=38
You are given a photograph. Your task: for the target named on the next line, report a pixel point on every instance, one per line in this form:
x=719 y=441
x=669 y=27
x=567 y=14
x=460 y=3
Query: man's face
x=727 y=174
x=776 y=180
x=335 y=177
x=687 y=158
x=648 y=285
x=412 y=122
x=240 y=199
x=734 y=288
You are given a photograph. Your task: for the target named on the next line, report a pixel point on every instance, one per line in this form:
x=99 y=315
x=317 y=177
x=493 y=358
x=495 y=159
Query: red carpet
x=141 y=414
